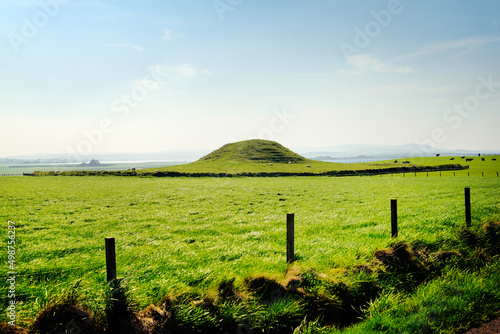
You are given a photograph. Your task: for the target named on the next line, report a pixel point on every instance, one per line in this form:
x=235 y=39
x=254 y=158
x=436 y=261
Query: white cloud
x=185 y=70
x=363 y=63
x=169 y=35
x=126 y=45
x=158 y=76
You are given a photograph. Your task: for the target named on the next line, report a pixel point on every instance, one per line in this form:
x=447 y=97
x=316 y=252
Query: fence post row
x=110 y=259
x=394 y=218
x=290 y=257
x=290 y=222
x=468 y=218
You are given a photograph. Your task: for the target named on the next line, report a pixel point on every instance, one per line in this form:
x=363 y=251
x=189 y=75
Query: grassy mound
x=250 y=156
x=258 y=157
x=254 y=151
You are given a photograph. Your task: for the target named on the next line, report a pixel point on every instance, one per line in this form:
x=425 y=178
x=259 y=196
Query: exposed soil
x=492 y=327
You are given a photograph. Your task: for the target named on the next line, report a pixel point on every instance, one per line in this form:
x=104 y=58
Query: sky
x=126 y=76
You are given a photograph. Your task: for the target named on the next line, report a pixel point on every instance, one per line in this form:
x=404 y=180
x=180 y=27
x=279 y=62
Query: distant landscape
x=19 y=168
x=268 y=158
x=342 y=154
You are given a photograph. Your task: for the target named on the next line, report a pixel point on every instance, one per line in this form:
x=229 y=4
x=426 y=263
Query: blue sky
x=145 y=76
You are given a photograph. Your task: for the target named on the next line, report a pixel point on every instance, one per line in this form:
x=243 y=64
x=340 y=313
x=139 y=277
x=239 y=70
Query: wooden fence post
x=290 y=257
x=394 y=218
x=110 y=259
x=468 y=218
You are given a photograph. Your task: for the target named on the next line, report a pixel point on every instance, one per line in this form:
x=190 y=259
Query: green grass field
x=178 y=234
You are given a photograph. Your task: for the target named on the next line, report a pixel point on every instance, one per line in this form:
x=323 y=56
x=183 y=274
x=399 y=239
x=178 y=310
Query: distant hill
x=251 y=156
x=253 y=151
x=269 y=158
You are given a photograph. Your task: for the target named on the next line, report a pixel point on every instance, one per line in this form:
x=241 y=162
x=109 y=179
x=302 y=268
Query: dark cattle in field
x=468 y=159
x=406 y=162
x=452 y=158
x=482 y=159
x=395 y=161
x=462 y=157
x=493 y=159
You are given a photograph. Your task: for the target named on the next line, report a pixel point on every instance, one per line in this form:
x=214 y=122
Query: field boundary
x=333 y=173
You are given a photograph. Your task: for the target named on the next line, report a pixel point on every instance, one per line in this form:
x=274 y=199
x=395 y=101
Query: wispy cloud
x=459 y=47
x=168 y=35
x=126 y=45
x=159 y=74
x=363 y=63
x=185 y=70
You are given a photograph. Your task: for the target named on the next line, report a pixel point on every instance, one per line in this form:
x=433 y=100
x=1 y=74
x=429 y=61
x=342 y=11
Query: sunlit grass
x=173 y=234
